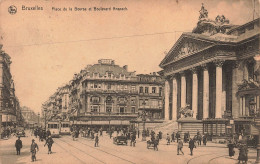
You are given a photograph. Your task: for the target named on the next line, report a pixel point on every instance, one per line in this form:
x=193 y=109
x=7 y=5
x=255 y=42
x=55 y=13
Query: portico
x=203 y=71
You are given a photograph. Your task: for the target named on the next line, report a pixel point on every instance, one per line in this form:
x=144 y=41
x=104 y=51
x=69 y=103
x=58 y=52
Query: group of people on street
x=34 y=146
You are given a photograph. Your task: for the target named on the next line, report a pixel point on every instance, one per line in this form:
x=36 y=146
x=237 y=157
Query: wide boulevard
x=82 y=150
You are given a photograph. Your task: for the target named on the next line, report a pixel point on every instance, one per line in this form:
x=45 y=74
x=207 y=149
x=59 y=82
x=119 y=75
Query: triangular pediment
x=185 y=46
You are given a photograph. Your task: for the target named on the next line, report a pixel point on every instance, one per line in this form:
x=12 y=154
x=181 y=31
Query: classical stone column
x=174 y=98
x=166 y=99
x=240 y=106
x=194 y=92
x=183 y=89
x=237 y=76
x=219 y=65
x=205 y=91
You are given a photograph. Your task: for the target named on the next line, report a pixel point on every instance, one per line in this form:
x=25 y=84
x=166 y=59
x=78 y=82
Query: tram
x=64 y=127
x=54 y=127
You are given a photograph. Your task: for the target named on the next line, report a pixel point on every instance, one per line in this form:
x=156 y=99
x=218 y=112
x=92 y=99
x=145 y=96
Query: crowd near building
x=10 y=111
x=106 y=95
x=212 y=78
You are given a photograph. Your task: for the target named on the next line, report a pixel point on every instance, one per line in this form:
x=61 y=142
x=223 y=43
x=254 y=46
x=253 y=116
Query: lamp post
x=38 y=119
x=91 y=118
x=109 y=112
x=143 y=119
x=45 y=115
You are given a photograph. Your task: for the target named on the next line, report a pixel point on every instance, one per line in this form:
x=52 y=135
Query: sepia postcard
x=129 y=81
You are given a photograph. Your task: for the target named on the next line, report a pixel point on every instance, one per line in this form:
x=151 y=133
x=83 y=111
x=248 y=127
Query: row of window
x=125 y=87
x=96 y=109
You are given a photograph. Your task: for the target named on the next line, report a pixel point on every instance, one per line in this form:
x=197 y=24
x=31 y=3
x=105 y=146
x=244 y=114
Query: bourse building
x=214 y=72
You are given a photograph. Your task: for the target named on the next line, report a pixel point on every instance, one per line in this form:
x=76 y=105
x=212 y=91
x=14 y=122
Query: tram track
x=80 y=151
x=132 y=156
x=98 y=150
x=190 y=160
x=70 y=153
x=216 y=158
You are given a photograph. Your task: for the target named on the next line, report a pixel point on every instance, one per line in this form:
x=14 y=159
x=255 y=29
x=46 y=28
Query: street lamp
x=91 y=118
x=45 y=115
x=38 y=119
x=109 y=112
x=143 y=119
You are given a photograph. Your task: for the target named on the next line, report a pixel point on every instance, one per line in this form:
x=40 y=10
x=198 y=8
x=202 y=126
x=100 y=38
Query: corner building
x=214 y=70
x=106 y=94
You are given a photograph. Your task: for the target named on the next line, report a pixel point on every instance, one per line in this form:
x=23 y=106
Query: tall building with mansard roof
x=213 y=77
x=106 y=94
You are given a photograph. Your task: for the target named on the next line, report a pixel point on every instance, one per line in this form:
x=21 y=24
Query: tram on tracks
x=64 y=127
x=54 y=127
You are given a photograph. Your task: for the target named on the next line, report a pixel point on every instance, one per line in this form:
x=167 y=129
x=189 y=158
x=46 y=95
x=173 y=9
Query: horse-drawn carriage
x=152 y=144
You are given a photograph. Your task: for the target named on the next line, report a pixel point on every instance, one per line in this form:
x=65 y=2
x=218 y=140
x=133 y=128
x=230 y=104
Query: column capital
x=219 y=63
x=205 y=66
x=194 y=70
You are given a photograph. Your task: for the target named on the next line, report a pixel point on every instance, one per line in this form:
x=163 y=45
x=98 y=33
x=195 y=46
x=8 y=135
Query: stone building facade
x=9 y=103
x=214 y=72
x=106 y=94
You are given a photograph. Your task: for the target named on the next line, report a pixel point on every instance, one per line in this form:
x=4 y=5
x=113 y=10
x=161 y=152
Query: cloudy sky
x=47 y=47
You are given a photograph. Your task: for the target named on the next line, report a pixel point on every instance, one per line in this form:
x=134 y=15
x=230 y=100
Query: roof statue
x=203 y=12
x=211 y=27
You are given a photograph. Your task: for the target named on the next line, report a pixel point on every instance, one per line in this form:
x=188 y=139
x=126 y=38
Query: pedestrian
x=204 y=138
x=191 y=146
x=243 y=153
x=231 y=150
x=49 y=142
x=178 y=136
x=180 y=146
x=133 y=138
x=156 y=142
x=34 y=146
x=48 y=133
x=18 y=145
x=173 y=135
x=96 y=140
x=168 y=139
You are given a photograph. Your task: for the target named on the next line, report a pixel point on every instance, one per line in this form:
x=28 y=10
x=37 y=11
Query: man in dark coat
x=48 y=133
x=231 y=146
x=191 y=146
x=96 y=140
x=34 y=146
x=18 y=145
x=49 y=142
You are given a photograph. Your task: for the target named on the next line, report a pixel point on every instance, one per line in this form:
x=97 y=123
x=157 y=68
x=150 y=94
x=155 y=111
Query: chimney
x=125 y=67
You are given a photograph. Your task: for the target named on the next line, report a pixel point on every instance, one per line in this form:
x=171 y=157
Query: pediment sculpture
x=248 y=84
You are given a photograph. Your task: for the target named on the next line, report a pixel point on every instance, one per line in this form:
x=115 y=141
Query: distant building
x=214 y=71
x=30 y=118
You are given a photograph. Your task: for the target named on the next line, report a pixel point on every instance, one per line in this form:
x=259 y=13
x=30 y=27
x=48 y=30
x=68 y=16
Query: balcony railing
x=108 y=114
x=110 y=91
